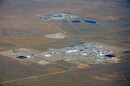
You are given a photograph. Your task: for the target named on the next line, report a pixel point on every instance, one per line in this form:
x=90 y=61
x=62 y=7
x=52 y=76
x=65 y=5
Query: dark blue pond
x=81 y=50
x=126 y=52
x=90 y=21
x=21 y=57
x=76 y=21
x=110 y=55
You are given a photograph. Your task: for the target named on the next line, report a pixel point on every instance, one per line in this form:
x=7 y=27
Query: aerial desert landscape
x=64 y=42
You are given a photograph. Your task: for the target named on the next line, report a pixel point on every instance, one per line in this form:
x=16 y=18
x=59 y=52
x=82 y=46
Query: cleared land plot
x=56 y=36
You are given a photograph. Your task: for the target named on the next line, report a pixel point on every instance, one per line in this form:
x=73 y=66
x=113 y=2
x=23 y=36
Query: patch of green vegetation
x=65 y=21
x=84 y=29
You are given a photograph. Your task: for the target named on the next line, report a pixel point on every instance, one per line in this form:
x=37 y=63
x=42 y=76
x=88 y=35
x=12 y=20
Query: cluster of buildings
x=91 y=53
x=64 y=16
x=83 y=52
x=22 y=52
x=57 y=16
x=26 y=55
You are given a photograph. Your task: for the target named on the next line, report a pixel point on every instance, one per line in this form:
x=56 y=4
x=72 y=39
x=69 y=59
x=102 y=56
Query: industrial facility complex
x=90 y=53
x=63 y=16
x=57 y=16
